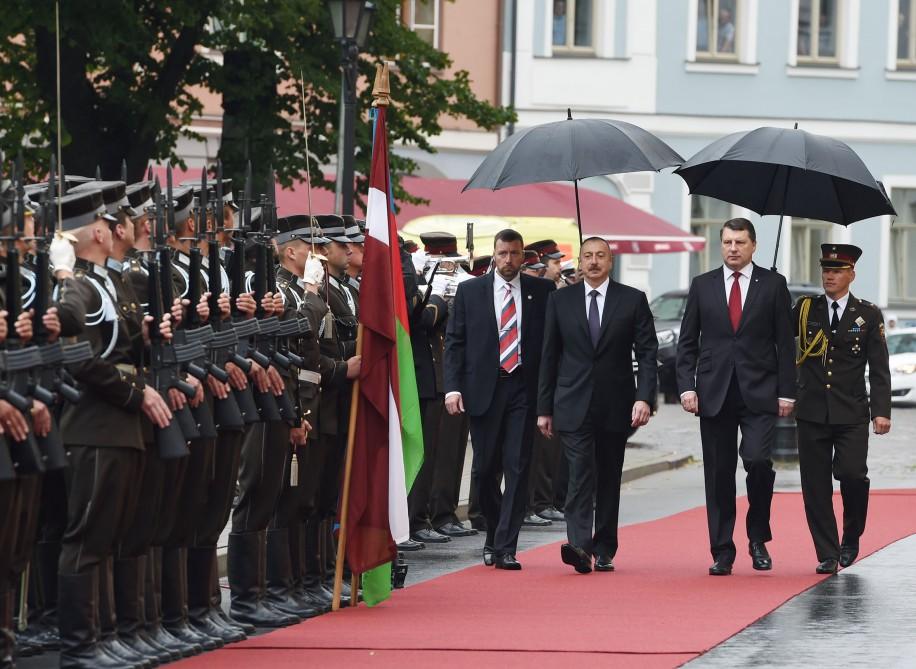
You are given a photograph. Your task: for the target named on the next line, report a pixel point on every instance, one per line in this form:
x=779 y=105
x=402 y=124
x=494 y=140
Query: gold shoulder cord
x=817 y=347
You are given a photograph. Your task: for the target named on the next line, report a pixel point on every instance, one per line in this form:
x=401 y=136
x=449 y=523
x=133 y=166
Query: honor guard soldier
x=551 y=256
x=838 y=336
x=103 y=433
x=355 y=229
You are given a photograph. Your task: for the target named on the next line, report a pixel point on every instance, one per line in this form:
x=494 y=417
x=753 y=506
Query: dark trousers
x=545 y=456
x=595 y=459
x=263 y=460
x=101 y=483
x=453 y=445
x=826 y=452
x=720 y=459
x=220 y=488
x=420 y=493
x=502 y=441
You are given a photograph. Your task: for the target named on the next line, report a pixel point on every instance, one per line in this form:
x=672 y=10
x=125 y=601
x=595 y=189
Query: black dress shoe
x=848 y=555
x=760 y=558
x=604 y=563
x=456 y=530
x=828 y=566
x=720 y=568
x=479 y=523
x=488 y=557
x=429 y=536
x=507 y=562
x=411 y=545
x=534 y=520
x=552 y=514
x=576 y=557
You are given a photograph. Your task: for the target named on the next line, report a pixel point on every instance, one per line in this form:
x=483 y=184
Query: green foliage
x=129 y=67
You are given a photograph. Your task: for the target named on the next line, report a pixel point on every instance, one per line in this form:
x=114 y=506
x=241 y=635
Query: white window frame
x=744 y=60
x=895 y=63
x=808 y=224
x=892 y=183
x=846 y=63
x=569 y=48
x=413 y=25
x=710 y=257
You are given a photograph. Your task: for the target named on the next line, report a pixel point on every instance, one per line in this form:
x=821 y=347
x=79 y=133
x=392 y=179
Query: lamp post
x=351 y=19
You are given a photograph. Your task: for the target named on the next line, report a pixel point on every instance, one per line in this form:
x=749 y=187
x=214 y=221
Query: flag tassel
x=345 y=494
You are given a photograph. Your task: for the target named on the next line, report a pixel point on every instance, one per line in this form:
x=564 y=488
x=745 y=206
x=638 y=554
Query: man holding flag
x=385 y=448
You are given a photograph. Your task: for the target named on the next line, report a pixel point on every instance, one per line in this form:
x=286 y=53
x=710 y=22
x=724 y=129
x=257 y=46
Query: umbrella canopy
x=571 y=150
x=788 y=172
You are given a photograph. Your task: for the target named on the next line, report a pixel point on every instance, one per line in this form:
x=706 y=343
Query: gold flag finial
x=381 y=91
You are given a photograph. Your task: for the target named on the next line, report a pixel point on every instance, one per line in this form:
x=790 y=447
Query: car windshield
x=901 y=343
x=668 y=307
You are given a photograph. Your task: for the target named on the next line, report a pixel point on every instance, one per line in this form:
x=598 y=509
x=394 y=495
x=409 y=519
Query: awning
x=538 y=211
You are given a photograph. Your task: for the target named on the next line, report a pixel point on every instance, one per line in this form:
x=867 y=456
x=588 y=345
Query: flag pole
x=381 y=92
x=345 y=494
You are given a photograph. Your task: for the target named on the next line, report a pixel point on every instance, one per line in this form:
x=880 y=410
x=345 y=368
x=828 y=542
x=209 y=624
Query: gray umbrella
x=571 y=150
x=788 y=172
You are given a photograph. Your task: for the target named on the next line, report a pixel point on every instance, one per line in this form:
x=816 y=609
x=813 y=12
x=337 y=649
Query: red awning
x=545 y=210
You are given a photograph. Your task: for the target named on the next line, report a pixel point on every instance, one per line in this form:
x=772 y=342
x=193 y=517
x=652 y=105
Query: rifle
x=171 y=440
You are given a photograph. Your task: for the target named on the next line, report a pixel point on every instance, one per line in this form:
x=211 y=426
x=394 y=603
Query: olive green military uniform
x=833 y=412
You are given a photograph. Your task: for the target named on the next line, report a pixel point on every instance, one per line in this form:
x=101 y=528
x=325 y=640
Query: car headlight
x=909 y=368
x=665 y=337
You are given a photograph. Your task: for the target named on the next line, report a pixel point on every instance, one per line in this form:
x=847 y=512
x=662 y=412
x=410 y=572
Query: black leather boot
x=245 y=583
x=301 y=574
x=78 y=610
x=156 y=633
x=130 y=602
x=7 y=639
x=44 y=568
x=216 y=601
x=108 y=621
x=175 y=600
x=279 y=577
x=200 y=562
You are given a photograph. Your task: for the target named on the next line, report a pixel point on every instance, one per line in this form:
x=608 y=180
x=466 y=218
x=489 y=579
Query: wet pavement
x=863 y=616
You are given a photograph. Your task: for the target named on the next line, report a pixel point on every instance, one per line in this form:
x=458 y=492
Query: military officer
x=552 y=257
x=355 y=229
x=838 y=335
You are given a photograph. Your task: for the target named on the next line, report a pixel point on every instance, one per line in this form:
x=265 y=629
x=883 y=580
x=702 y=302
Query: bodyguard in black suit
x=492 y=356
x=838 y=336
x=736 y=369
x=588 y=395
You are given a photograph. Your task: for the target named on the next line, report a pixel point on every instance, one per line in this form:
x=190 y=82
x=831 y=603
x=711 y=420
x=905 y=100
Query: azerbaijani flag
x=388 y=442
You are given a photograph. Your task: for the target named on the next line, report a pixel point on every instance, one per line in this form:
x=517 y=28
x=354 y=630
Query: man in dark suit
x=492 y=355
x=839 y=335
x=587 y=394
x=736 y=369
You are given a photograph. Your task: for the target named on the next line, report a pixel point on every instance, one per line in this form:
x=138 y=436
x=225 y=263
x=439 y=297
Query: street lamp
x=351 y=19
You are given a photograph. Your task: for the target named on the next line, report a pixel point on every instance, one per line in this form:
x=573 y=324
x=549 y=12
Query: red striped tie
x=508 y=334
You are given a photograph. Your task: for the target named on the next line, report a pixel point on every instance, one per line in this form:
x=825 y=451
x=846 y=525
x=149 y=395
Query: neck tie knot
x=594 y=293
x=736 y=275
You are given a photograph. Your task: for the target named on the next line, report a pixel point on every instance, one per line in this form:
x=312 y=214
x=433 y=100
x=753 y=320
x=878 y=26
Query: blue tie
x=594 y=322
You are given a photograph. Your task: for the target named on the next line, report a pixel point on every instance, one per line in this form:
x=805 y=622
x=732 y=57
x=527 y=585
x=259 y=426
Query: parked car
x=668 y=310
x=901 y=345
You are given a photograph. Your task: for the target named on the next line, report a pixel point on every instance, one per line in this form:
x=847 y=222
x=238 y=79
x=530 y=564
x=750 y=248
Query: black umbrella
x=571 y=150
x=787 y=172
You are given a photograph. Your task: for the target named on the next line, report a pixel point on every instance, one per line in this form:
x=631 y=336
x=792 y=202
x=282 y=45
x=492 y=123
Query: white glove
x=314 y=271
x=61 y=254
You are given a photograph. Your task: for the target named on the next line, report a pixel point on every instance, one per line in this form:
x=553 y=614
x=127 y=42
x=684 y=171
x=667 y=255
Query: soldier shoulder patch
x=881 y=331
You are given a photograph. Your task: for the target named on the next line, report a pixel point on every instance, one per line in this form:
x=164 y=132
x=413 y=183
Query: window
x=716 y=32
x=573 y=26
x=707 y=215
x=807 y=237
x=906 y=34
x=424 y=20
x=902 y=280
x=818 y=30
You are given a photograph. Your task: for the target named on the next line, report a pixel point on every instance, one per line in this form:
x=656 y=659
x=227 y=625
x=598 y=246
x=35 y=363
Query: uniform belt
x=309 y=376
x=127 y=369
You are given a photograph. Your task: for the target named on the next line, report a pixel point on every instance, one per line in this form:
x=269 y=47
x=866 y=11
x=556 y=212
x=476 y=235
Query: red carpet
x=659 y=609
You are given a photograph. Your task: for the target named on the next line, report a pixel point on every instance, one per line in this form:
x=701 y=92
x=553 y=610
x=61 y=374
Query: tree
x=128 y=69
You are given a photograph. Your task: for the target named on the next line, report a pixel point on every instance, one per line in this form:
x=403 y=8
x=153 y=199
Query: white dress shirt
x=602 y=293
x=744 y=281
x=841 y=307
x=499 y=296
